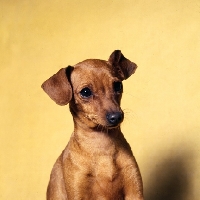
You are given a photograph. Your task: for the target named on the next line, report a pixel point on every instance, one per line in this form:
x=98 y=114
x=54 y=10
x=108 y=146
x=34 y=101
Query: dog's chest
x=107 y=179
x=106 y=168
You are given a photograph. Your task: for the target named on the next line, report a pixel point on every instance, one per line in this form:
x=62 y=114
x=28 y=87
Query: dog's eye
x=118 y=87
x=86 y=92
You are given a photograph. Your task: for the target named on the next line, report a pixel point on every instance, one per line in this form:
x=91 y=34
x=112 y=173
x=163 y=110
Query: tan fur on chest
x=102 y=172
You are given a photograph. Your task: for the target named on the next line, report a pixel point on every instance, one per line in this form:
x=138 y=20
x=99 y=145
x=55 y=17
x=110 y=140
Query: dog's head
x=93 y=88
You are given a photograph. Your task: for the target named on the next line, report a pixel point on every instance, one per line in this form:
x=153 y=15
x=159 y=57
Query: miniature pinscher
x=97 y=163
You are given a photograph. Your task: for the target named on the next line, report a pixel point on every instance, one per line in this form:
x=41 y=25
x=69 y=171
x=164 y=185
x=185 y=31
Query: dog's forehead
x=91 y=70
x=93 y=64
x=95 y=74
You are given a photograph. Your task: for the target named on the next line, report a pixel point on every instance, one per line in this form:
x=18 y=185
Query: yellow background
x=161 y=100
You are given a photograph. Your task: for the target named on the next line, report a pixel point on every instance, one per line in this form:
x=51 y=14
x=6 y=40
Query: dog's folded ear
x=58 y=86
x=125 y=68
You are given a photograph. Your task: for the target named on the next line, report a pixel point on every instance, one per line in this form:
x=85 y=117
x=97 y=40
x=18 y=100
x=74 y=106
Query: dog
x=97 y=163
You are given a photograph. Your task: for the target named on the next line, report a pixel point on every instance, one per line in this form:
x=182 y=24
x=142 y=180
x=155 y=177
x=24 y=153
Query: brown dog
x=97 y=163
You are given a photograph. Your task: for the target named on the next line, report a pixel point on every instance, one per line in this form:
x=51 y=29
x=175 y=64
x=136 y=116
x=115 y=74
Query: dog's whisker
x=128 y=112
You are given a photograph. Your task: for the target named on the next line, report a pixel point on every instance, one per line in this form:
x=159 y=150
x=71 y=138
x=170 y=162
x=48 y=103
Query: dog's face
x=97 y=93
x=93 y=88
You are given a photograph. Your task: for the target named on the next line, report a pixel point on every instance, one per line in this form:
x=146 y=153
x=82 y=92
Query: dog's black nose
x=114 y=118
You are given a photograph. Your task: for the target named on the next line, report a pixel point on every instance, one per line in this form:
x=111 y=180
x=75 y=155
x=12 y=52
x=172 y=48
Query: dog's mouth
x=112 y=120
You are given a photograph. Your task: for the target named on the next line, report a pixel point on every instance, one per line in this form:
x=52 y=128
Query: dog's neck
x=99 y=138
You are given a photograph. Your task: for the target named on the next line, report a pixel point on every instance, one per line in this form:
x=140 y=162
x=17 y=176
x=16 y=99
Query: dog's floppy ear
x=58 y=86
x=125 y=68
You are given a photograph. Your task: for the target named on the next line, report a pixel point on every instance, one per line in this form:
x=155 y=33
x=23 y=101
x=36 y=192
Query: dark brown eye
x=86 y=92
x=117 y=86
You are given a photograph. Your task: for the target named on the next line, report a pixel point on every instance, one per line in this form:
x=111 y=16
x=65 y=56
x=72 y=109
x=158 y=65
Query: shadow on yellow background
x=161 y=100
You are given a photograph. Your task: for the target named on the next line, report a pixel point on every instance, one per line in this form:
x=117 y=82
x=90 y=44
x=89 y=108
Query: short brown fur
x=97 y=163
